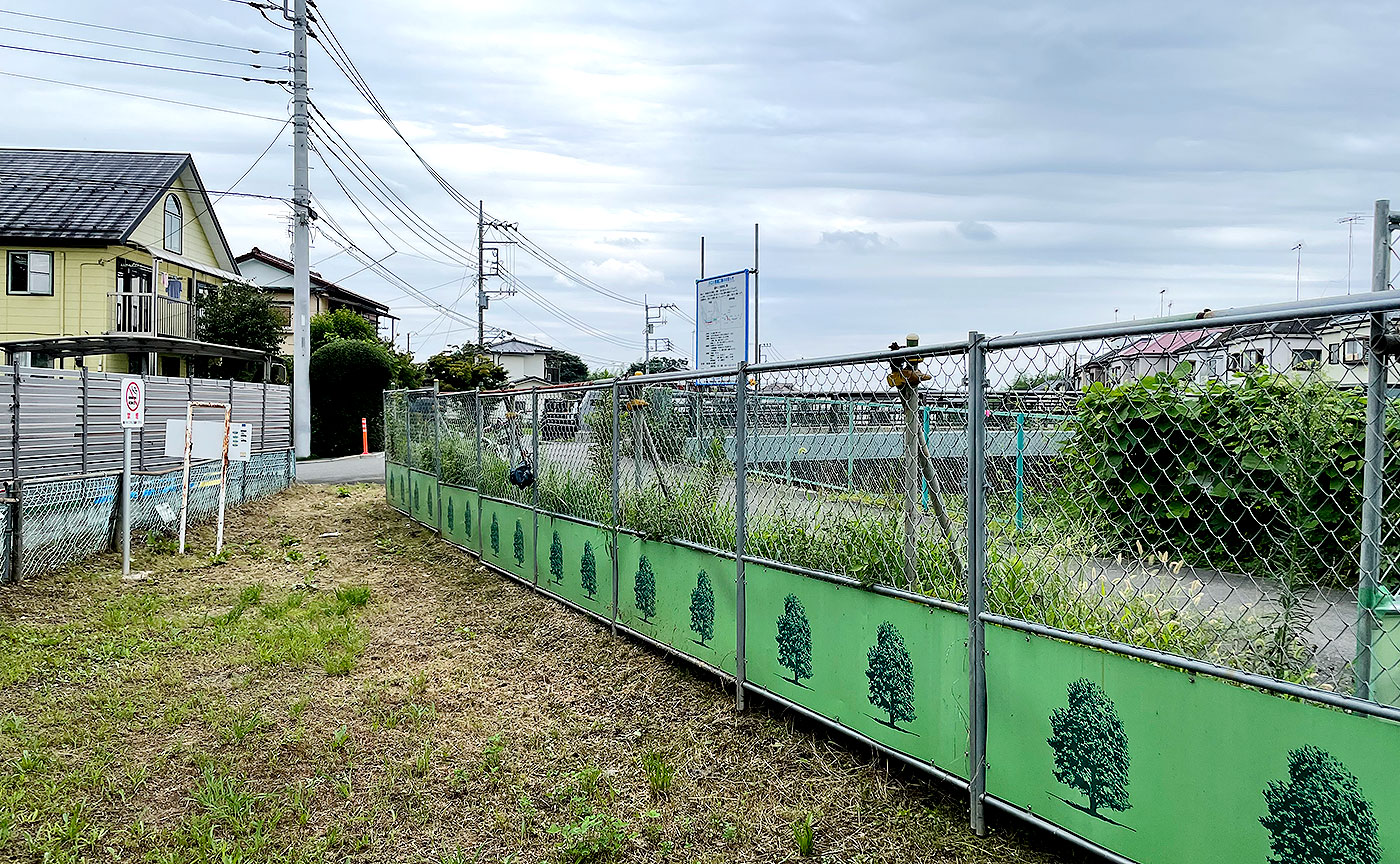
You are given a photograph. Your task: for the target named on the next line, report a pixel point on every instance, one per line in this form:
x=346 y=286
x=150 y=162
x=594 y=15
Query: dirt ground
x=342 y=686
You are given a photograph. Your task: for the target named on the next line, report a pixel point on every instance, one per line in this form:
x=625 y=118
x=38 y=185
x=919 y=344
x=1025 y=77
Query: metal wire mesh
x=65 y=520
x=459 y=439
x=396 y=426
x=1196 y=492
x=506 y=441
x=574 y=474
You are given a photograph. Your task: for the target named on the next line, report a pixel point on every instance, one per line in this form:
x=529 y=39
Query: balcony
x=150 y=315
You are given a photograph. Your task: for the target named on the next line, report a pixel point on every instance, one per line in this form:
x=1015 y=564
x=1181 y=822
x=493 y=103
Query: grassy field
x=342 y=686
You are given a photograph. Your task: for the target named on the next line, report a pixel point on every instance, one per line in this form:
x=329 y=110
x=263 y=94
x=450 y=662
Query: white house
x=525 y=360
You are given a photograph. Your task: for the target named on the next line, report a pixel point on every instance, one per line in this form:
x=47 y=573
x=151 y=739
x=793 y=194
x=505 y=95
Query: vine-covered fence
x=1131 y=583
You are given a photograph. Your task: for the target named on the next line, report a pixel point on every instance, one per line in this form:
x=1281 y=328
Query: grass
x=190 y=717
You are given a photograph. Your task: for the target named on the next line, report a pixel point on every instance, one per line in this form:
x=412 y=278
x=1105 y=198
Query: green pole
x=851 y=448
x=1020 y=471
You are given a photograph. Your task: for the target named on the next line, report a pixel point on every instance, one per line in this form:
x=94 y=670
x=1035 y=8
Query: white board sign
x=722 y=321
x=133 y=403
x=207 y=440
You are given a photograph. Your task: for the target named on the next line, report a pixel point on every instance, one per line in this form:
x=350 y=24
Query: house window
x=31 y=273
x=283 y=313
x=1306 y=357
x=1354 y=352
x=173 y=224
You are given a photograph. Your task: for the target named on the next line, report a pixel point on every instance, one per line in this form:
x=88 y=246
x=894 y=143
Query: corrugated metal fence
x=61 y=460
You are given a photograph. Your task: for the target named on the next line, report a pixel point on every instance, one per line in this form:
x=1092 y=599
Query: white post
x=126 y=500
x=223 y=481
x=301 y=242
x=185 y=484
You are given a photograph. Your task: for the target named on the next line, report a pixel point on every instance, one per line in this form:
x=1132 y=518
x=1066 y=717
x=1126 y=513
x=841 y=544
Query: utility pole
x=1298 y=274
x=301 y=241
x=483 y=296
x=660 y=343
x=1350 y=221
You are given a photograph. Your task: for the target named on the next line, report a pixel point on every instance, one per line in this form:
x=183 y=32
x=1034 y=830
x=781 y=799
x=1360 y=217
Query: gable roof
x=98 y=196
x=324 y=285
x=518 y=346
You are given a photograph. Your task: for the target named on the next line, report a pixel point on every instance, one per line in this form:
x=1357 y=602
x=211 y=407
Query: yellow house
x=103 y=254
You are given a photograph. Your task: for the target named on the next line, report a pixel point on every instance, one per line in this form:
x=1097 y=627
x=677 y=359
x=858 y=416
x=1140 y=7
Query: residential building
x=525 y=360
x=275 y=275
x=104 y=254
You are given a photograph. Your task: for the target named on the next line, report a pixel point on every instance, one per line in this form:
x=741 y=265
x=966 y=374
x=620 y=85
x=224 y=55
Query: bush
x=348 y=378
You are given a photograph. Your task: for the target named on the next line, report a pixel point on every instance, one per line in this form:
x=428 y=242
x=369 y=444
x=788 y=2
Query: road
x=347 y=469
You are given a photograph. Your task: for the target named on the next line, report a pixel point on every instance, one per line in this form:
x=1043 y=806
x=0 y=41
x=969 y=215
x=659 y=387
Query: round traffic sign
x=133 y=396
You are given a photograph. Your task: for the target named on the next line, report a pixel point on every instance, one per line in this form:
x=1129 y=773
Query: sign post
x=133 y=407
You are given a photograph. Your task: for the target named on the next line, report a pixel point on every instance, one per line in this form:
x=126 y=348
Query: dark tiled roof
x=81 y=194
x=326 y=286
x=518 y=346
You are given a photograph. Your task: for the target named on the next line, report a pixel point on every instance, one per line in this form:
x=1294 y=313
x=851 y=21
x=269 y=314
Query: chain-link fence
x=1211 y=493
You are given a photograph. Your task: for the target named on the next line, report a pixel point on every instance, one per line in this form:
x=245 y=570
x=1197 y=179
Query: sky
x=913 y=166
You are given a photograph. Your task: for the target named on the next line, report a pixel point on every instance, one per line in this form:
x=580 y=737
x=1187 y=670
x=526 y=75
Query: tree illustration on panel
x=644 y=589
x=430 y=506
x=495 y=536
x=519 y=544
x=588 y=570
x=556 y=560
x=702 y=609
x=795 y=641
x=416 y=500
x=1091 y=749
x=467 y=519
x=891 y=676
x=451 y=526
x=391 y=487
x=1320 y=814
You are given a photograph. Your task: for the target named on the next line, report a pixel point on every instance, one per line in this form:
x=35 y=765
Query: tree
x=659 y=364
x=239 y=315
x=341 y=324
x=644 y=589
x=702 y=609
x=347 y=383
x=1091 y=748
x=588 y=570
x=891 y=675
x=1320 y=816
x=495 y=536
x=407 y=374
x=795 y=640
x=571 y=367
x=450 y=524
x=465 y=367
x=519 y=544
x=556 y=560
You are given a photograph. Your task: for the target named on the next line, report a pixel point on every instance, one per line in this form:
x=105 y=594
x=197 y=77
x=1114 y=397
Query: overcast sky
x=935 y=167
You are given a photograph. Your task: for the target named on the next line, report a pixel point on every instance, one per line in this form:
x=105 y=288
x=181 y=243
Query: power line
x=142 y=65
x=179 y=54
x=140 y=96
x=103 y=181
x=137 y=32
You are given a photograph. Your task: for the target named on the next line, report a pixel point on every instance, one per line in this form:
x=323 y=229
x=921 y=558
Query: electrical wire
x=76 y=180
x=142 y=65
x=179 y=54
x=140 y=96
x=136 y=32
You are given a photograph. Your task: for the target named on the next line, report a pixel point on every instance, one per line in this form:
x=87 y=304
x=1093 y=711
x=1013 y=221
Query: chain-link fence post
x=909 y=405
x=1372 y=477
x=535 y=487
x=740 y=528
x=976 y=571
x=616 y=493
x=480 y=435
x=437 y=458
x=16 y=485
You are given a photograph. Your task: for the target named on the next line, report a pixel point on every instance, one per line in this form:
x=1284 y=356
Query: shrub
x=347 y=383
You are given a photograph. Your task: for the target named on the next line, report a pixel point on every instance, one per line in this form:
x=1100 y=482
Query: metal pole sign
x=133 y=406
x=191 y=445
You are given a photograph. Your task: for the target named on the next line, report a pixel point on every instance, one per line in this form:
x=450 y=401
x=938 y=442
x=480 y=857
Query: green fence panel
x=458 y=515
x=662 y=595
x=396 y=485
x=1158 y=764
x=579 y=569
x=891 y=669
x=505 y=536
x=423 y=505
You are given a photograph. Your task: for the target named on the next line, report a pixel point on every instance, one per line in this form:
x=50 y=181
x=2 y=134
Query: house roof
x=518 y=346
x=99 y=196
x=318 y=283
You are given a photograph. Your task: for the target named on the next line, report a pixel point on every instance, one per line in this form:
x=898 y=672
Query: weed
x=593 y=838
x=660 y=773
x=288 y=541
x=341 y=739
x=804 y=835
x=162 y=543
x=493 y=755
x=423 y=762
x=351 y=597
x=11 y=724
x=342 y=492
x=418 y=683
x=339 y=663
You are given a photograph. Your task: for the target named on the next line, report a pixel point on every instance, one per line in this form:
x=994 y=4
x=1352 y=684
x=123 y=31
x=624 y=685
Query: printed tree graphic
x=1091 y=749
x=416 y=501
x=891 y=676
x=450 y=523
x=1320 y=814
x=467 y=520
x=495 y=536
x=795 y=640
x=391 y=487
x=556 y=560
x=429 y=501
x=519 y=544
x=588 y=570
x=702 y=609
x=644 y=589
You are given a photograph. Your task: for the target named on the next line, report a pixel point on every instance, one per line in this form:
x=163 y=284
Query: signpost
x=207 y=439
x=722 y=320
x=133 y=406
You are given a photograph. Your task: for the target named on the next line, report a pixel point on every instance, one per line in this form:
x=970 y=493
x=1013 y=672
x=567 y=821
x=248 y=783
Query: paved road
x=347 y=469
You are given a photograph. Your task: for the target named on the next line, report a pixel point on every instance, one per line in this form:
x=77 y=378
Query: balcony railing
x=151 y=315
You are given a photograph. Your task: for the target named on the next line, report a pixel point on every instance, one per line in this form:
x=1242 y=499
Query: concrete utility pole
x=660 y=343
x=301 y=242
x=483 y=297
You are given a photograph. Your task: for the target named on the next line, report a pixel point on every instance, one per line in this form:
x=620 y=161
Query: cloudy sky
x=935 y=167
